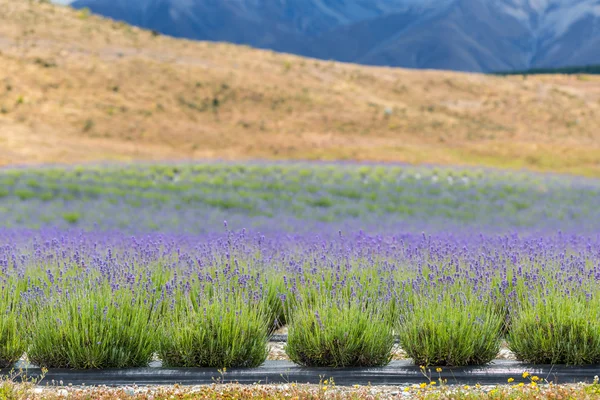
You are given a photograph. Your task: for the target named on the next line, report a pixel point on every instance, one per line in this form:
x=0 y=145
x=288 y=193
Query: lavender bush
x=93 y=326
x=221 y=332
x=335 y=333
x=449 y=328
x=557 y=329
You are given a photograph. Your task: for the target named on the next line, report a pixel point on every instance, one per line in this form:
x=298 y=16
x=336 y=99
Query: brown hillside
x=75 y=88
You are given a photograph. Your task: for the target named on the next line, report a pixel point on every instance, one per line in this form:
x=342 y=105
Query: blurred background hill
x=75 y=87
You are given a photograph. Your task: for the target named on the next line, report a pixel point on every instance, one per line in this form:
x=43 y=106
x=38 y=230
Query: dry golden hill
x=76 y=88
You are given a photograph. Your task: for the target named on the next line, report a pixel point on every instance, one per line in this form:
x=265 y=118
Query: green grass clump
x=558 y=330
x=12 y=343
x=71 y=217
x=93 y=327
x=220 y=332
x=339 y=334
x=450 y=330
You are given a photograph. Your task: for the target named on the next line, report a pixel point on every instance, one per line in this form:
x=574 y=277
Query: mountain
x=465 y=35
x=283 y=25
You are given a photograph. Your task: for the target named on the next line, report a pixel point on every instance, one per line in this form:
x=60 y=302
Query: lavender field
x=114 y=266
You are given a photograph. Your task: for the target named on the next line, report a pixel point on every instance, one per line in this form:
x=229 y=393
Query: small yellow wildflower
x=521 y=384
x=356 y=386
x=533 y=384
x=510 y=380
x=438 y=370
x=406 y=389
x=423 y=385
x=525 y=374
x=466 y=387
x=325 y=382
x=325 y=387
x=432 y=383
x=535 y=378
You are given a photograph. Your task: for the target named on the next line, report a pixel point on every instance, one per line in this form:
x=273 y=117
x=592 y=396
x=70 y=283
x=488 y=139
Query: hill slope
x=464 y=35
x=76 y=88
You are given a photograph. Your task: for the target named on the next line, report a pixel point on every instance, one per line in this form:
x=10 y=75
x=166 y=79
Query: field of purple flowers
x=295 y=198
x=108 y=267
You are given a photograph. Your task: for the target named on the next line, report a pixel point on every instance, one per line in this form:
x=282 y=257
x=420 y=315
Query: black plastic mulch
x=400 y=373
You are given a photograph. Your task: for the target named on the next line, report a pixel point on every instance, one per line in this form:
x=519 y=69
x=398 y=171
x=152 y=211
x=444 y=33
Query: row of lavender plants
x=93 y=300
x=293 y=197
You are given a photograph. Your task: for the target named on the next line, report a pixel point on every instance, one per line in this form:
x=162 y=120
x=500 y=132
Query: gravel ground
x=277 y=350
x=153 y=392
x=324 y=391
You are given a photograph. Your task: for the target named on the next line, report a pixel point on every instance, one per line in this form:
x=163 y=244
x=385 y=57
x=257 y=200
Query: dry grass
x=77 y=88
x=291 y=391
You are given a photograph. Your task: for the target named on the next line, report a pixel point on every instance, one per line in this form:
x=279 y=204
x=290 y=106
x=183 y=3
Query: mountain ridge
x=466 y=35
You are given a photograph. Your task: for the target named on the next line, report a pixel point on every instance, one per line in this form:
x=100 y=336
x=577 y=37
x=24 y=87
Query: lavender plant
x=450 y=329
x=557 y=329
x=92 y=326
x=219 y=331
x=337 y=333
